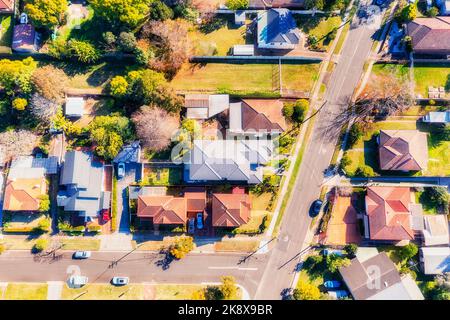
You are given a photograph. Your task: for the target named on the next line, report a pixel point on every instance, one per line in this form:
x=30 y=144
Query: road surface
x=279 y=272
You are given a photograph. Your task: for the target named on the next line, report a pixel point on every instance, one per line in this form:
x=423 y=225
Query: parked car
x=191 y=226
x=339 y=253
x=121 y=170
x=77 y=281
x=200 y=220
x=105 y=215
x=332 y=284
x=82 y=255
x=338 y=294
x=120 y=281
x=315 y=207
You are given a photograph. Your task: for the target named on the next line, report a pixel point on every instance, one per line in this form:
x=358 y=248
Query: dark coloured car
x=315 y=207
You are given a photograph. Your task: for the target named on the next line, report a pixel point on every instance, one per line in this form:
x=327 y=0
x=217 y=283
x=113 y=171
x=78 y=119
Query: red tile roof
x=405 y=150
x=230 y=210
x=162 y=209
x=263 y=114
x=196 y=199
x=6 y=5
x=388 y=209
x=430 y=35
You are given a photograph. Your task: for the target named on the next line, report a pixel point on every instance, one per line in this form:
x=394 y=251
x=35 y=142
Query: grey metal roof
x=435 y=260
x=50 y=164
x=129 y=153
x=76 y=168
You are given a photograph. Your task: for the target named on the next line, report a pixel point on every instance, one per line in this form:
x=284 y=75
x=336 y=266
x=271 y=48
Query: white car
x=77 y=281
x=121 y=170
x=82 y=255
x=120 y=281
x=327 y=252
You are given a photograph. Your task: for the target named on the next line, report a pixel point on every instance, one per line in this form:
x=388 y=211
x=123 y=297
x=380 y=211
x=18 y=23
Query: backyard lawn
x=365 y=151
x=319 y=26
x=25 y=291
x=218 y=39
x=263 y=78
x=6 y=31
x=426 y=206
x=162 y=176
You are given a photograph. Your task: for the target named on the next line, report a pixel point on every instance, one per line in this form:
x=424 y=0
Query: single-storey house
x=25 y=38
x=265 y=4
x=205 y=106
x=437 y=117
x=403 y=150
x=6 y=6
x=256 y=117
x=277 y=29
x=391 y=215
x=228 y=160
x=444 y=6
x=230 y=210
x=430 y=36
x=74 y=107
x=24 y=189
x=377 y=278
x=435 y=260
x=81 y=185
x=435 y=231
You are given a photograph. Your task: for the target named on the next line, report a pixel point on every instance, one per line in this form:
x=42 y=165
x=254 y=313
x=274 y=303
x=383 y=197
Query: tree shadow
x=216 y=23
x=166 y=260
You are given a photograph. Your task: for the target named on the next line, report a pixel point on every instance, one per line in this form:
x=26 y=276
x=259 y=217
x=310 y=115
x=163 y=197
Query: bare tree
x=171 y=39
x=43 y=108
x=155 y=127
x=17 y=142
x=50 y=82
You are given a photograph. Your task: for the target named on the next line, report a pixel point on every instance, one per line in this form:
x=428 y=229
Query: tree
x=19 y=104
x=408 y=251
x=181 y=247
x=82 y=51
x=364 y=171
x=432 y=12
x=43 y=109
x=44 y=203
x=345 y=161
x=334 y=262
x=118 y=86
x=17 y=143
x=127 y=42
x=160 y=11
x=171 y=40
x=300 y=108
x=351 y=249
x=60 y=122
x=109 y=39
x=50 y=83
x=288 y=111
x=41 y=244
x=121 y=13
x=355 y=133
x=228 y=288
x=306 y=291
x=437 y=197
x=108 y=133
x=155 y=127
x=237 y=4
x=407 y=13
x=314 y=4
x=44 y=225
x=46 y=14
x=15 y=75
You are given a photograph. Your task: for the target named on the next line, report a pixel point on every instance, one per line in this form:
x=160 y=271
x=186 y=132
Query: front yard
x=97 y=291
x=245 y=78
x=321 y=27
x=24 y=291
x=365 y=151
x=162 y=176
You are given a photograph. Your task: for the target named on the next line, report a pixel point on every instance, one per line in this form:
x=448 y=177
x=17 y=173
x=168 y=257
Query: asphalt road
x=21 y=266
x=285 y=256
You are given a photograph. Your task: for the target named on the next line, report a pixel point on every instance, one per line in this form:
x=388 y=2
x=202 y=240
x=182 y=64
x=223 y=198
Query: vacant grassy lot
x=6 y=32
x=213 y=77
x=436 y=75
x=162 y=176
x=97 y=291
x=237 y=245
x=25 y=291
x=365 y=150
x=319 y=26
x=217 y=38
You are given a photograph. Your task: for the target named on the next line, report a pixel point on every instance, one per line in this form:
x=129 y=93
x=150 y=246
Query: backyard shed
x=75 y=107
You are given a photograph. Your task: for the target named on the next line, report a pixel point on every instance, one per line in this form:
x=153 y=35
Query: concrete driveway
x=132 y=174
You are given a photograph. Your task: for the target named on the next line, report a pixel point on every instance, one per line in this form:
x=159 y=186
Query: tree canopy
x=122 y=13
x=15 y=75
x=46 y=14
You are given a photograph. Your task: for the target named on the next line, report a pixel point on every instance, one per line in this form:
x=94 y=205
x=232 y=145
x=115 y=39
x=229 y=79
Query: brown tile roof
x=162 y=209
x=430 y=34
x=230 y=210
x=195 y=198
x=362 y=278
x=24 y=194
x=6 y=5
x=388 y=209
x=405 y=150
x=196 y=101
x=262 y=114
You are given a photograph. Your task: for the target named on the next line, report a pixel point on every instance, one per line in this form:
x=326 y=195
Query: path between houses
x=54 y=290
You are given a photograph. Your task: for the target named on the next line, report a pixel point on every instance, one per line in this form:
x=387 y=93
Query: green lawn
x=213 y=77
x=237 y=245
x=26 y=291
x=217 y=40
x=68 y=31
x=162 y=176
x=80 y=243
x=427 y=207
x=365 y=150
x=97 y=291
x=340 y=44
x=6 y=31
x=436 y=75
x=319 y=26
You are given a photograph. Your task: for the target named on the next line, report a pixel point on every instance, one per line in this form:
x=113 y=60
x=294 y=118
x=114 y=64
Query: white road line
x=218 y=268
x=248 y=269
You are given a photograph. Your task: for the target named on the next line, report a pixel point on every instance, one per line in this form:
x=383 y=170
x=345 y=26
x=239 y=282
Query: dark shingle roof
x=430 y=33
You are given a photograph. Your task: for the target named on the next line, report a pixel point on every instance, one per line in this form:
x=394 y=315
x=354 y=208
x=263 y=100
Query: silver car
x=82 y=255
x=77 y=281
x=120 y=281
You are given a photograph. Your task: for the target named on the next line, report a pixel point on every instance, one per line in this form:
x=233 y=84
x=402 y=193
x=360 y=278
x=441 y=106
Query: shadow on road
x=166 y=260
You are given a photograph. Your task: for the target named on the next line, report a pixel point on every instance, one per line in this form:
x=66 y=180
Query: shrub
x=160 y=11
x=19 y=104
x=181 y=247
x=351 y=249
x=2 y=248
x=438 y=197
x=127 y=42
x=354 y=134
x=345 y=161
x=306 y=291
x=118 y=86
x=288 y=111
x=82 y=51
x=44 y=203
x=408 y=251
x=237 y=4
x=432 y=12
x=110 y=39
x=44 y=225
x=364 y=171
x=228 y=288
x=40 y=245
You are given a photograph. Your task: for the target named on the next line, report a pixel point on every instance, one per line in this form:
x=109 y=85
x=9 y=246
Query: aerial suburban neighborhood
x=224 y=150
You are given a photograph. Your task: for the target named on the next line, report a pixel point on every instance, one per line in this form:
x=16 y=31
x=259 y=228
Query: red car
x=105 y=215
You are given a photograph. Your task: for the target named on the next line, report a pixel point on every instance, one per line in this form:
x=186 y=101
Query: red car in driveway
x=105 y=215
